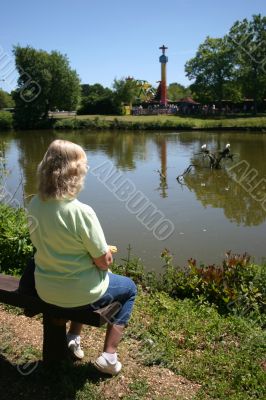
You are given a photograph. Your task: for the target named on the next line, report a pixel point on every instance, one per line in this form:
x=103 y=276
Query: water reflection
x=162 y=152
x=213 y=212
x=212 y=188
x=32 y=146
x=124 y=149
x=217 y=189
x=3 y=164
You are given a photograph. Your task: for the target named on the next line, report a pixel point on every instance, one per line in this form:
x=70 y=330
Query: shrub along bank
x=160 y=122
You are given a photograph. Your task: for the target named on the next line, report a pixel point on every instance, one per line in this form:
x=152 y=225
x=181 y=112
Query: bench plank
x=54 y=334
x=8 y=295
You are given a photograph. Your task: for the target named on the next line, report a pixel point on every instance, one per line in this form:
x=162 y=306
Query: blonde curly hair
x=62 y=171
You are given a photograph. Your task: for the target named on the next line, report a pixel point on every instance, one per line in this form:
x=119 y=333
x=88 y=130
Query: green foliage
x=163 y=122
x=212 y=68
x=95 y=99
x=46 y=82
x=133 y=268
x=236 y=286
x=176 y=91
x=15 y=245
x=247 y=41
x=6 y=100
x=6 y=120
x=64 y=91
x=126 y=91
x=69 y=123
x=232 y=67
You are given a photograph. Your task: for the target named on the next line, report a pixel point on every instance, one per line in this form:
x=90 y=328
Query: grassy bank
x=149 y=122
x=160 y=122
x=172 y=350
x=183 y=342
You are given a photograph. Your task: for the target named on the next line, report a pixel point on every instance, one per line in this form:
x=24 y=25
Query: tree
x=65 y=84
x=96 y=99
x=94 y=91
x=126 y=91
x=46 y=82
x=213 y=70
x=6 y=100
x=176 y=91
x=248 y=43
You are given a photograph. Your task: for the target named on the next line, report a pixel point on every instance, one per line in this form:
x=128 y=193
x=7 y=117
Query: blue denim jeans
x=123 y=290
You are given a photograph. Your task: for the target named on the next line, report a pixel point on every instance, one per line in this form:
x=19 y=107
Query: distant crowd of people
x=193 y=109
x=155 y=109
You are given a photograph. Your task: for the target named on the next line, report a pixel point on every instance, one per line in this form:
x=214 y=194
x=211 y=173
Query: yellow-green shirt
x=66 y=237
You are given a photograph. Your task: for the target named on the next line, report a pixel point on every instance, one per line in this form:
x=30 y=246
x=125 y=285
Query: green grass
x=160 y=122
x=223 y=354
x=139 y=390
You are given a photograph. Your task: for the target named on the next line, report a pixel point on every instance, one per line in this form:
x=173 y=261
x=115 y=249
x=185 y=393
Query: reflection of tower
x=163 y=60
x=161 y=143
x=163 y=157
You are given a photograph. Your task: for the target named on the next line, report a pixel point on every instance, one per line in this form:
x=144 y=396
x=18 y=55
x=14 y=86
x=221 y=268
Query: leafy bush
x=6 y=120
x=64 y=124
x=70 y=123
x=101 y=106
x=15 y=245
x=235 y=286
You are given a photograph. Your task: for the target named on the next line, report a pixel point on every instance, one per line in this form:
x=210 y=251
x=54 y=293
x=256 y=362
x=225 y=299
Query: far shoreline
x=143 y=123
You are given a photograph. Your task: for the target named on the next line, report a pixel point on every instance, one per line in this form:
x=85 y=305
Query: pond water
x=208 y=215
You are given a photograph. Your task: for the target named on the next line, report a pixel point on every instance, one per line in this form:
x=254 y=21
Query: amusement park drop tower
x=163 y=60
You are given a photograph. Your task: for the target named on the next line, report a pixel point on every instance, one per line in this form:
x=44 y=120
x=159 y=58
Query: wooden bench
x=54 y=318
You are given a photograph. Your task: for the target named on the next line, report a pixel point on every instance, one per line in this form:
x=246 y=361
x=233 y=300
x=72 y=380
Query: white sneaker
x=106 y=367
x=74 y=347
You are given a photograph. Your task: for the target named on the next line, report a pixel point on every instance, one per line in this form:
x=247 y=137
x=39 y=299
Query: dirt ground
x=161 y=383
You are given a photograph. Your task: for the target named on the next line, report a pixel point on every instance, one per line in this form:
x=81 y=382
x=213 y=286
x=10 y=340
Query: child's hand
x=113 y=249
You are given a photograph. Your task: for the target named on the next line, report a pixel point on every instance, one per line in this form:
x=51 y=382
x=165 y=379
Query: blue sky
x=105 y=39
